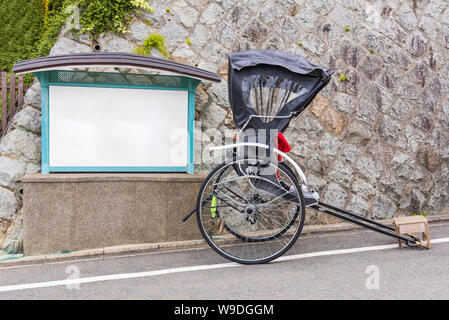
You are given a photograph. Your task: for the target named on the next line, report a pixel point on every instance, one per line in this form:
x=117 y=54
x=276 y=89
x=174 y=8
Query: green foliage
x=142 y=4
x=343 y=78
x=54 y=19
x=21 y=27
x=98 y=16
x=154 y=40
x=347 y=29
x=29 y=28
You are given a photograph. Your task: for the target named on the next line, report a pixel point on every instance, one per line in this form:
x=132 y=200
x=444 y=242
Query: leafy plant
x=343 y=78
x=21 y=28
x=98 y=16
x=143 y=4
x=347 y=29
x=421 y=213
x=54 y=18
x=29 y=28
x=154 y=40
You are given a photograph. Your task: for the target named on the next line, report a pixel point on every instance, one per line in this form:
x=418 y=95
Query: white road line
x=345 y=251
x=118 y=276
x=154 y=273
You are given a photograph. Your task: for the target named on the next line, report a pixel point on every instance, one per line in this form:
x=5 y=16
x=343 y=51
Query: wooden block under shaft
x=412 y=224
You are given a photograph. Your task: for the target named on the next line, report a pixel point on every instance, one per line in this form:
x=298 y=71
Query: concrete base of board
x=70 y=212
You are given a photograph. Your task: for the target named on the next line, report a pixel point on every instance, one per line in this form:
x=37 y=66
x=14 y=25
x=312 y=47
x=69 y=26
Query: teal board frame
x=51 y=78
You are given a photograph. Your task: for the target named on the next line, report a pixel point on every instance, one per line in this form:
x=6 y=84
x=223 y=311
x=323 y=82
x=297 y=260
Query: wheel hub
x=250 y=208
x=251 y=213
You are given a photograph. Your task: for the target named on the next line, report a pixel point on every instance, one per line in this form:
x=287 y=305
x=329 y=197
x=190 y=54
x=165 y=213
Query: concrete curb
x=130 y=249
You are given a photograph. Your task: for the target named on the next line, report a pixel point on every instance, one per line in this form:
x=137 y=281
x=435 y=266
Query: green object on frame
x=213 y=207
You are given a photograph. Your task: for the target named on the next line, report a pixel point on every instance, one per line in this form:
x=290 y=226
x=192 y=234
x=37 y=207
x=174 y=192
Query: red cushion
x=282 y=143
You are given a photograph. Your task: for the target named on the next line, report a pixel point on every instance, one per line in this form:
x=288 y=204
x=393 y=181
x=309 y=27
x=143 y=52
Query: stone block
x=86 y=211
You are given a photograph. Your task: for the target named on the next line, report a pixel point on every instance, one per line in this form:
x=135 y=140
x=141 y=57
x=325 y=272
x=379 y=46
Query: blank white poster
x=117 y=127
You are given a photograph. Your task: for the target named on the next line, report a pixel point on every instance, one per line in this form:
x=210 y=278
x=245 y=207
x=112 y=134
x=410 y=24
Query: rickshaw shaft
x=355 y=216
x=378 y=227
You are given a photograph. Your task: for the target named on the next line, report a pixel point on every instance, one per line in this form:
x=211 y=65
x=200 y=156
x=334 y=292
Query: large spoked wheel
x=250 y=214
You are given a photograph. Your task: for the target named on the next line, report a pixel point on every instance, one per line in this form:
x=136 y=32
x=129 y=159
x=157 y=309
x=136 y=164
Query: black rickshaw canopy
x=268 y=83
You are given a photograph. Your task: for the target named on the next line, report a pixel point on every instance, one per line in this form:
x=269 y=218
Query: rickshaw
x=251 y=207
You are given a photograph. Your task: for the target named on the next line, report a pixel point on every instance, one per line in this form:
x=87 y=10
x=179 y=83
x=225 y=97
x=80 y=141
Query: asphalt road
x=317 y=267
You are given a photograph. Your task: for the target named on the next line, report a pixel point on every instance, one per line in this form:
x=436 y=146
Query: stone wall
x=375 y=141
